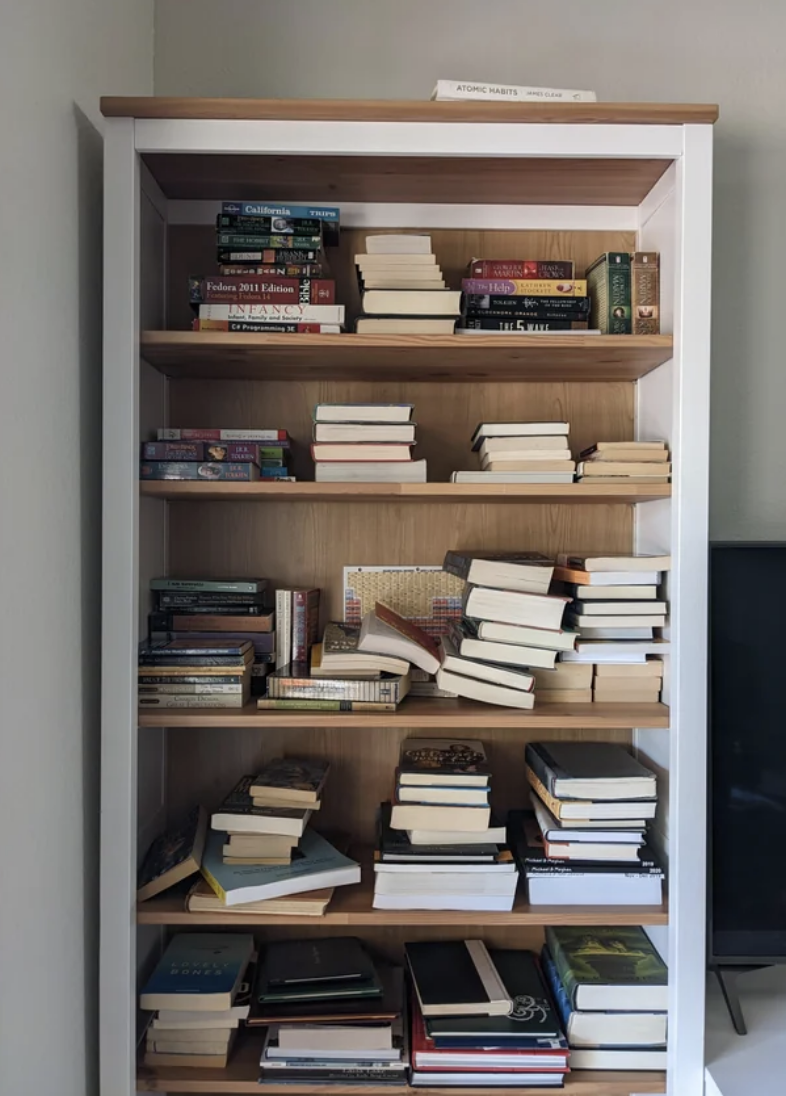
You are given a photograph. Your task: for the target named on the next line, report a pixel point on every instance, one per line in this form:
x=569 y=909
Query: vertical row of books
x=273 y=271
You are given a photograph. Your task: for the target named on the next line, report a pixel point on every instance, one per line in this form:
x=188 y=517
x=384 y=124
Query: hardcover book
x=173 y=856
x=590 y=770
x=456 y=978
x=199 y=971
x=609 y=284
x=443 y=762
x=338 y=959
x=612 y=969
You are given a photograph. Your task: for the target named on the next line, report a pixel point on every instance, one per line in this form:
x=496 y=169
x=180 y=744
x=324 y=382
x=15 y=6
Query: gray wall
x=707 y=50
x=56 y=58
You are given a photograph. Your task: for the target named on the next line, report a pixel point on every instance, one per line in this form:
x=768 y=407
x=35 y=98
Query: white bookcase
x=561 y=181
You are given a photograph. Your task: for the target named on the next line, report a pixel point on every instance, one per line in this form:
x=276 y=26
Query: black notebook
x=590 y=770
x=298 y=962
x=456 y=978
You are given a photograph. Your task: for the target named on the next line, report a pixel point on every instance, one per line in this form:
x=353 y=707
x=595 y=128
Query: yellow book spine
x=214 y=883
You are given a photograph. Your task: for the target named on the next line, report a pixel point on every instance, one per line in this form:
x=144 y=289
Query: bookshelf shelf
x=209 y=355
x=424 y=713
x=573 y=493
x=241 y=1077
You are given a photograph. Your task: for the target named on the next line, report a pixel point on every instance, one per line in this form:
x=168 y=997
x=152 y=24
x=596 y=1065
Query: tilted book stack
x=402 y=288
x=611 y=990
x=583 y=843
x=482 y=1018
x=273 y=272
x=216 y=455
x=520 y=452
x=521 y=296
x=625 y=462
x=365 y=443
x=437 y=847
x=230 y=610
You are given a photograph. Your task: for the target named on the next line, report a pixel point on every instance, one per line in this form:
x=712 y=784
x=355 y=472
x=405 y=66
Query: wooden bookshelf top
x=241 y=1076
x=427 y=713
x=216 y=355
x=407 y=110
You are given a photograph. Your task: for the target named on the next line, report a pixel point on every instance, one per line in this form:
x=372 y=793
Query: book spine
x=328 y=214
x=241 y=451
x=517 y=287
x=262 y=326
x=183 y=689
x=250 y=290
x=481 y=323
x=264 y=256
x=212 y=588
x=570 y=307
x=506 y=93
x=181 y=681
x=229 y=662
x=281 y=226
x=299 y=607
x=269 y=437
x=645 y=293
x=371 y=691
x=270 y=472
x=282 y=270
x=525 y=269
x=610 y=291
x=180 y=701
x=283 y=627
x=234 y=241
x=562 y=966
x=213 y=882
x=192 y=470
x=286 y=704
x=456 y=564
x=558 y=994
x=173 y=450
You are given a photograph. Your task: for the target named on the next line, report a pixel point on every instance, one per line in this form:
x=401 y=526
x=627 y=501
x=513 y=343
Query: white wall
x=56 y=58
x=706 y=50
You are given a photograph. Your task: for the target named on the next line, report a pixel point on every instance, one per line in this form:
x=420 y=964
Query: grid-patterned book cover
x=426 y=595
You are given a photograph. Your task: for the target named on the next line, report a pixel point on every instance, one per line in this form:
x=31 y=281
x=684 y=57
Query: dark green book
x=609 y=286
x=609 y=969
x=316 y=970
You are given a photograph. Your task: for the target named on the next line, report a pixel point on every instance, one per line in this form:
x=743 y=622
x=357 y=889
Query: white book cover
x=460 y=90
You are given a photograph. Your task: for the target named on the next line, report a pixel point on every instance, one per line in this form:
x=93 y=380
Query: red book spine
x=253 y=290
x=520 y=268
x=305 y=623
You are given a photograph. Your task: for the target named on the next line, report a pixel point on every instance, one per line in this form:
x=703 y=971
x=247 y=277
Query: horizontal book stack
x=566 y=683
x=273 y=272
x=482 y=1018
x=437 y=847
x=522 y=296
x=365 y=443
x=628 y=683
x=198 y=994
x=188 y=664
x=611 y=990
x=260 y=851
x=226 y=610
x=625 y=462
x=511 y=626
x=584 y=841
x=402 y=288
x=520 y=452
x=215 y=455
x=333 y=1015
x=617 y=607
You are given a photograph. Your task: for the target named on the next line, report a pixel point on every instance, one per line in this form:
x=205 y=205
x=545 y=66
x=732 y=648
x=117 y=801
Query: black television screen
x=747 y=743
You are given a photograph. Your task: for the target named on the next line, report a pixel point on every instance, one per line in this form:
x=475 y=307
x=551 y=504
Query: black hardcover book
x=355 y=1076
x=479 y=322
x=393 y=845
x=577 y=307
x=590 y=770
x=316 y=970
x=388 y=1006
x=531 y=1016
x=526 y=842
x=456 y=978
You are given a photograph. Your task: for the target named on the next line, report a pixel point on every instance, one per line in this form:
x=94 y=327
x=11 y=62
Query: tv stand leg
x=728 y=985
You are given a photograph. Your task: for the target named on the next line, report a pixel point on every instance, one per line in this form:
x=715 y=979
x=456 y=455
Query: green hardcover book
x=609 y=286
x=615 y=969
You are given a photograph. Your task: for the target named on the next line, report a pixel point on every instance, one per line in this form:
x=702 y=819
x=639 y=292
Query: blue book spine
x=274 y=473
x=329 y=214
x=557 y=989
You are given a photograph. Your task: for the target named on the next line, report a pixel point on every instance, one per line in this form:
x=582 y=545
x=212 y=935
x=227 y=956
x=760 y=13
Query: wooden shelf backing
x=241 y=1076
x=216 y=355
x=407 y=110
x=422 y=712
x=270 y=491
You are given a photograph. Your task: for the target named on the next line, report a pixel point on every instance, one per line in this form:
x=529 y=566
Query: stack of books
x=212 y=609
x=339 y=655
x=365 y=443
x=611 y=989
x=169 y=671
x=438 y=848
x=261 y=851
x=584 y=841
x=625 y=462
x=198 y=995
x=566 y=683
x=402 y=288
x=273 y=272
x=511 y=625
x=616 y=606
x=520 y=452
x=520 y=296
x=628 y=683
x=333 y=1015
x=216 y=455
x=482 y=1018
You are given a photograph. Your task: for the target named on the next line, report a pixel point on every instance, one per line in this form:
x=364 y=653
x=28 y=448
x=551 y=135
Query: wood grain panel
x=407 y=110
